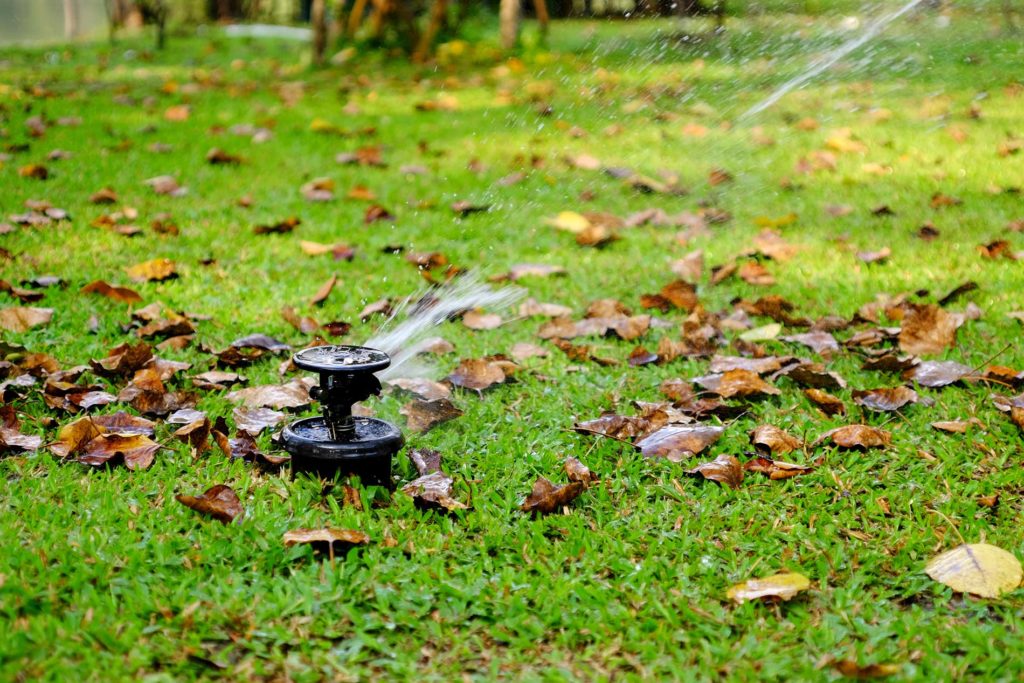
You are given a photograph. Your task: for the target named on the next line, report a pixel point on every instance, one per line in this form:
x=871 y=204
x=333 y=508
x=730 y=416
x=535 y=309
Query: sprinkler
x=338 y=442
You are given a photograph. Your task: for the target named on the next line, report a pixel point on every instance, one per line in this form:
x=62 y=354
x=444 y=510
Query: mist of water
x=828 y=60
x=406 y=332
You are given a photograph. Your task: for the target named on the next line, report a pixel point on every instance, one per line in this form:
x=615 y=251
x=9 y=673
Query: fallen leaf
x=977 y=568
x=772 y=588
x=426 y=389
x=11 y=438
x=546 y=497
x=196 y=434
x=218 y=157
x=421 y=416
x=328 y=540
x=678 y=442
x=122 y=294
x=477 y=374
x=927 y=330
x=578 y=472
x=826 y=402
x=615 y=426
x=737 y=383
x=256 y=420
x=23 y=319
x=157 y=269
x=293 y=394
x=325 y=291
x=281 y=227
x=725 y=469
x=771 y=439
x=775 y=469
x=937 y=373
x=433 y=490
x=136 y=451
x=219 y=502
x=851 y=669
x=857 y=436
x=885 y=400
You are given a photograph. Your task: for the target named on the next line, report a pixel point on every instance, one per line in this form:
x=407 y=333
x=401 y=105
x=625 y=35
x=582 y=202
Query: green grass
x=105 y=577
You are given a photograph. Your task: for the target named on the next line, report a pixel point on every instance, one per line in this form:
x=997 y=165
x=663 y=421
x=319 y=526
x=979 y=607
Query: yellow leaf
x=777 y=586
x=978 y=568
x=764 y=333
x=570 y=221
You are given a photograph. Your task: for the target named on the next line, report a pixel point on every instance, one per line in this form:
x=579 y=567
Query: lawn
x=105 y=576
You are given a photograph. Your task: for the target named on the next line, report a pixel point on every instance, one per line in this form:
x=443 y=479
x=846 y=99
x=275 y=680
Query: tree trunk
x=426 y=41
x=509 y=15
x=543 y=18
x=355 y=19
x=318 y=17
x=70 y=19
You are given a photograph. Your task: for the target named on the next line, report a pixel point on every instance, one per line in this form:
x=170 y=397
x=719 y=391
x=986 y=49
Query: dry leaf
x=771 y=439
x=219 y=502
x=937 y=373
x=773 y=588
x=578 y=472
x=927 y=330
x=157 y=269
x=477 y=374
x=433 y=490
x=547 y=497
x=857 y=436
x=328 y=540
x=678 y=442
x=775 y=469
x=136 y=451
x=23 y=319
x=294 y=394
x=885 y=400
x=122 y=294
x=977 y=568
x=421 y=416
x=826 y=402
x=325 y=291
x=725 y=469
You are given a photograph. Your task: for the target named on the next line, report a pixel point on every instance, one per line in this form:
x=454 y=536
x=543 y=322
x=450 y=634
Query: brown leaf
x=196 y=434
x=256 y=420
x=755 y=273
x=375 y=213
x=219 y=502
x=23 y=319
x=122 y=423
x=136 y=451
x=523 y=350
x=761 y=366
x=328 y=540
x=426 y=389
x=325 y=291
x=166 y=184
x=478 y=320
x=217 y=380
x=952 y=426
x=927 y=330
x=772 y=588
x=122 y=294
x=775 y=469
x=122 y=360
x=676 y=443
x=771 y=439
x=157 y=269
x=885 y=400
x=281 y=227
x=851 y=669
x=822 y=343
x=826 y=402
x=425 y=460
x=578 y=472
x=433 y=490
x=937 y=373
x=421 y=416
x=547 y=497
x=741 y=383
x=11 y=438
x=73 y=437
x=857 y=436
x=813 y=375
x=218 y=157
x=477 y=374
x=725 y=469
x=293 y=394
x=262 y=342
x=615 y=426
x=522 y=270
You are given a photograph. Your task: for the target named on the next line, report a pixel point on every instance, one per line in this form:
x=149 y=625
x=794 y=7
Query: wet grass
x=105 y=577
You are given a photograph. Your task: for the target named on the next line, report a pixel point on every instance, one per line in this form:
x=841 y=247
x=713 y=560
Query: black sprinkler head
x=337 y=442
